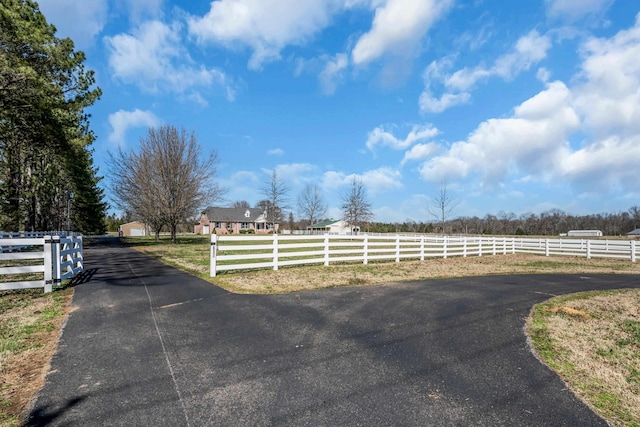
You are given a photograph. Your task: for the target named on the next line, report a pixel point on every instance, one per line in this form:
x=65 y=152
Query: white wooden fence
x=274 y=251
x=56 y=258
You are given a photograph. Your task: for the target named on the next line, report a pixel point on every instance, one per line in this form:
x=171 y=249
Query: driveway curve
x=147 y=344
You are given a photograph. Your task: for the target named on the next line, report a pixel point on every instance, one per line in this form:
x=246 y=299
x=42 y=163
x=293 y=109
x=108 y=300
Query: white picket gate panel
x=273 y=251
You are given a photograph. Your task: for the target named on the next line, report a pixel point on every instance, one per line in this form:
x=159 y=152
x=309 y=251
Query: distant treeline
x=548 y=223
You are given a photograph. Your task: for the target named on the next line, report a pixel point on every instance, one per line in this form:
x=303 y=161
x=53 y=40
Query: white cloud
x=141 y=9
x=430 y=104
x=609 y=96
x=265 y=26
x=381 y=180
x=420 y=152
x=376 y=181
x=153 y=58
x=532 y=141
x=121 y=121
x=573 y=10
x=81 y=23
x=528 y=50
x=398 y=27
x=379 y=136
x=601 y=111
x=276 y=152
x=332 y=73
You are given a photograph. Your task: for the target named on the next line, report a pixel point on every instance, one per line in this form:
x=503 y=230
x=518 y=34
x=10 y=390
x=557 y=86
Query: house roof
x=635 y=232
x=234 y=214
x=325 y=223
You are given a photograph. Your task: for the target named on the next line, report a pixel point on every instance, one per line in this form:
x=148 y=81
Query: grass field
x=592 y=340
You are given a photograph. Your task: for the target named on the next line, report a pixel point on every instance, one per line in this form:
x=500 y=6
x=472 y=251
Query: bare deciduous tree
x=356 y=206
x=311 y=203
x=442 y=205
x=276 y=192
x=241 y=204
x=167 y=181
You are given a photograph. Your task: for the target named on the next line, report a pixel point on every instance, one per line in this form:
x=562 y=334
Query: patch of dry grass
x=593 y=341
x=30 y=323
x=316 y=277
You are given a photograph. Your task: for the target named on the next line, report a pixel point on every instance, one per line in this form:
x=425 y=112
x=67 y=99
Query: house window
x=217 y=225
x=229 y=225
x=244 y=225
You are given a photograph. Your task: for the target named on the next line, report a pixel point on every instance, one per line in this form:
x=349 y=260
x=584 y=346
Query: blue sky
x=518 y=106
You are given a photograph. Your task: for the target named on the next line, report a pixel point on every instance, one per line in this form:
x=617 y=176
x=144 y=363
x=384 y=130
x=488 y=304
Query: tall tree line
x=46 y=165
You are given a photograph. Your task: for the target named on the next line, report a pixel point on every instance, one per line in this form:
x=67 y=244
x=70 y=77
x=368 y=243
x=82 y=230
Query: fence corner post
x=214 y=253
x=546 y=247
x=275 y=251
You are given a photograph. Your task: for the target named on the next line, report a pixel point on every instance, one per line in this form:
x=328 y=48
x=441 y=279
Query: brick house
x=233 y=221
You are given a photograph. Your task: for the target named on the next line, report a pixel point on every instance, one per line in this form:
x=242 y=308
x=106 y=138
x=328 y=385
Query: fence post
x=326 y=250
x=444 y=244
x=49 y=252
x=214 y=253
x=546 y=247
x=275 y=251
x=56 y=260
x=81 y=253
x=480 y=242
x=493 y=242
x=588 y=249
x=365 y=256
x=422 y=248
x=464 y=248
x=633 y=251
x=397 y=248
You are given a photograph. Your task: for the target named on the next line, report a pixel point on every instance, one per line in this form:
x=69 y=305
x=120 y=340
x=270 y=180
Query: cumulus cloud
x=528 y=50
x=376 y=181
x=398 y=26
x=379 y=136
x=587 y=134
x=382 y=180
x=81 y=24
x=420 y=152
x=122 y=120
x=531 y=141
x=153 y=58
x=265 y=26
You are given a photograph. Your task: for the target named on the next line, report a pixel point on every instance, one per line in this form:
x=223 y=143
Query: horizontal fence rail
x=273 y=251
x=50 y=258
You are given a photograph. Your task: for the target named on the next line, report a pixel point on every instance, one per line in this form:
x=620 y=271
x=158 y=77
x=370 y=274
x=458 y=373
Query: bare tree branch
x=311 y=203
x=167 y=181
x=356 y=206
x=442 y=205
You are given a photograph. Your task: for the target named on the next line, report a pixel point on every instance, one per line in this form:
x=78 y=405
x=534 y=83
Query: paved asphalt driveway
x=148 y=345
